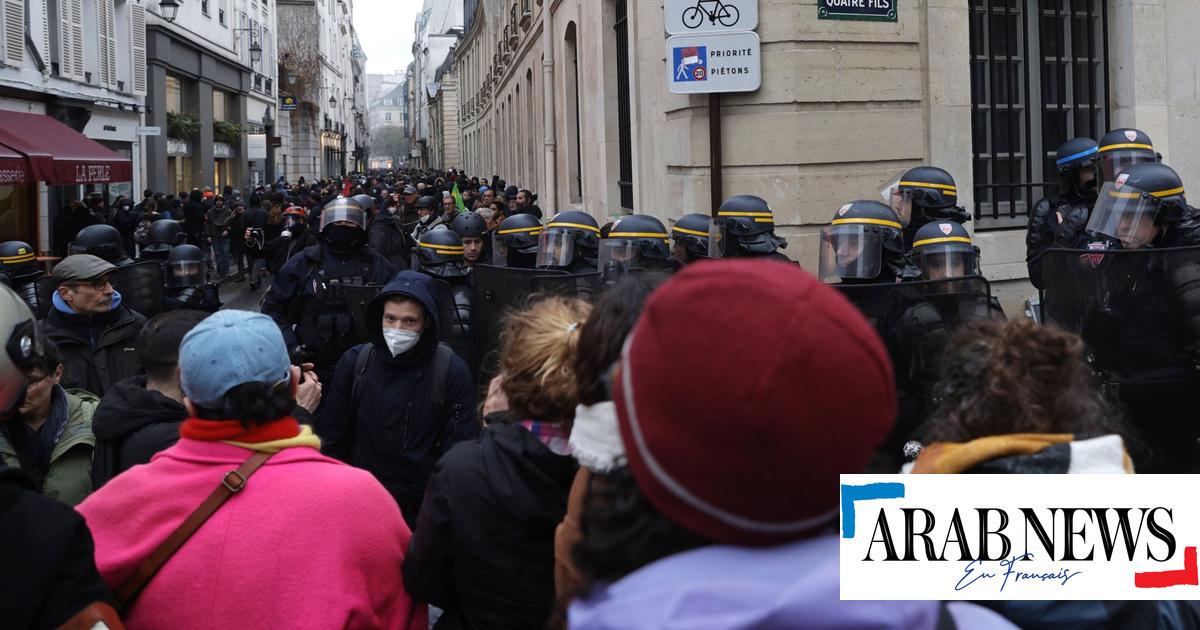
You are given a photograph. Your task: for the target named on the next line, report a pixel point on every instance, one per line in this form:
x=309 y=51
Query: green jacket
x=70 y=476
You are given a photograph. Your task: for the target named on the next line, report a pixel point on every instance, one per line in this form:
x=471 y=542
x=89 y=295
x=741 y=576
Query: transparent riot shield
x=357 y=300
x=498 y=290
x=141 y=287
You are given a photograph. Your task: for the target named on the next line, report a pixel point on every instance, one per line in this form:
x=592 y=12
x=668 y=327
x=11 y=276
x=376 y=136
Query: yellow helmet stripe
x=950 y=190
x=1168 y=193
x=1120 y=195
x=23 y=258
x=772 y=221
x=445 y=249
x=730 y=213
x=661 y=235
x=687 y=231
x=883 y=222
x=947 y=239
x=1127 y=145
x=535 y=229
x=575 y=225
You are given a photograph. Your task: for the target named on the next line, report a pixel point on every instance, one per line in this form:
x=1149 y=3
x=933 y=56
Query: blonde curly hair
x=537 y=350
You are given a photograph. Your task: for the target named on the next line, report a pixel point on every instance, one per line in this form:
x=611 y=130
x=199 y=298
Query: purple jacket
x=792 y=586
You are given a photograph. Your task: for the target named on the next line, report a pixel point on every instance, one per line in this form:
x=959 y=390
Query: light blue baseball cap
x=230 y=348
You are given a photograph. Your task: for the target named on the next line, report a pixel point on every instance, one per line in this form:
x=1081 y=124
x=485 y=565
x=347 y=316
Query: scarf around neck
x=271 y=437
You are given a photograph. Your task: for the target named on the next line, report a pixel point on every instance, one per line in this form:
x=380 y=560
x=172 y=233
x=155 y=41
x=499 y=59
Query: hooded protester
x=664 y=533
x=295 y=513
x=484 y=547
x=194 y=217
x=399 y=402
x=140 y=416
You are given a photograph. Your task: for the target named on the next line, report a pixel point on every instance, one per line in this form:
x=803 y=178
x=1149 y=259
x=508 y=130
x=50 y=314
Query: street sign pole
x=714 y=150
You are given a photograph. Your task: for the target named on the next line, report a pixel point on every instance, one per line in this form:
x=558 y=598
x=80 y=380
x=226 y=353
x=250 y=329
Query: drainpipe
x=549 y=187
x=29 y=43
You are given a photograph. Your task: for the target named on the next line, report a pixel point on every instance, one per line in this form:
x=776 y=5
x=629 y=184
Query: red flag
x=345 y=186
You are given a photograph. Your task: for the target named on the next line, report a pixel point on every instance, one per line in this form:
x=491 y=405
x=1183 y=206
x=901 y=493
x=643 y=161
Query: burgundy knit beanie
x=744 y=390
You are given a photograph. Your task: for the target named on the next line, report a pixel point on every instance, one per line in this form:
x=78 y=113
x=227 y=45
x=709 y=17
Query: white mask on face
x=400 y=341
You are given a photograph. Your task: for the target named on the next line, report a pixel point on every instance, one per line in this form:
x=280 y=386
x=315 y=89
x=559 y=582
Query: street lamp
x=332 y=102
x=255 y=47
x=169 y=9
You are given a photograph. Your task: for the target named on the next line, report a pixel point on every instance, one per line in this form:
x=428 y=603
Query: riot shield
x=455 y=324
x=959 y=301
x=497 y=290
x=586 y=286
x=45 y=288
x=357 y=299
x=141 y=287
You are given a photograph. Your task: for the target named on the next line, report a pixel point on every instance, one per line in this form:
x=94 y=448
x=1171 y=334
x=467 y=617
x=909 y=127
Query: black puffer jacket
x=483 y=548
x=98 y=350
x=131 y=424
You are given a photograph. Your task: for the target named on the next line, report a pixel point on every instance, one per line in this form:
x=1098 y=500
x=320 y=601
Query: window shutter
x=14 y=31
x=104 y=9
x=45 y=22
x=76 y=26
x=66 y=62
x=137 y=32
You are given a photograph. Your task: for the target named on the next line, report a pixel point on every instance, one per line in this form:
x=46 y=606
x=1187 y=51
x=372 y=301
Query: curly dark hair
x=604 y=332
x=253 y=403
x=1003 y=377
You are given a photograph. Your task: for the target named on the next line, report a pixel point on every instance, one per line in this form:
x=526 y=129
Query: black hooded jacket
x=483 y=548
x=131 y=424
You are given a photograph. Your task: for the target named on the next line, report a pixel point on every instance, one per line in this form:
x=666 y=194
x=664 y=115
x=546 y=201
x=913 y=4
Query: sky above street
x=385 y=29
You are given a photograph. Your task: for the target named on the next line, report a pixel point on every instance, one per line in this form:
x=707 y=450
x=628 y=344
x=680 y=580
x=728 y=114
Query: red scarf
x=232 y=430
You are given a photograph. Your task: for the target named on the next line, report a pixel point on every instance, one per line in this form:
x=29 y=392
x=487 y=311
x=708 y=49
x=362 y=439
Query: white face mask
x=400 y=341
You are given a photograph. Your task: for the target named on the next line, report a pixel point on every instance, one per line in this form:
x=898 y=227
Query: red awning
x=13 y=167
x=60 y=155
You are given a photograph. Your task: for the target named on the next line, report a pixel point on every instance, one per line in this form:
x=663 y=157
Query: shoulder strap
x=441 y=371
x=232 y=483
x=360 y=378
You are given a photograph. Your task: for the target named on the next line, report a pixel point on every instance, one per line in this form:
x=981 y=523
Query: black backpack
x=441 y=370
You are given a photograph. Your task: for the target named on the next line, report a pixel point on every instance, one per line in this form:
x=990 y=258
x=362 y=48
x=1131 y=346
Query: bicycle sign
x=691 y=17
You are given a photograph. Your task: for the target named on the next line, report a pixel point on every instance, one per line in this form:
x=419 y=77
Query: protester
x=408 y=411
x=93 y=330
x=483 y=550
x=696 y=515
x=140 y=416
x=306 y=542
x=218 y=230
x=51 y=437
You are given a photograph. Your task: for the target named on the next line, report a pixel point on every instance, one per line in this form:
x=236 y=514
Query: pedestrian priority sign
x=691 y=63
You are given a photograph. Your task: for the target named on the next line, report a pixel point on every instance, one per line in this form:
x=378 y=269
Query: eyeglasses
x=98 y=284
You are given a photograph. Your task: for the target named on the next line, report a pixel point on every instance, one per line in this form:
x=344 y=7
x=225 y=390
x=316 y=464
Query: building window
x=387 y=117
x=204 y=7
x=218 y=102
x=625 y=178
x=1038 y=78
x=174 y=94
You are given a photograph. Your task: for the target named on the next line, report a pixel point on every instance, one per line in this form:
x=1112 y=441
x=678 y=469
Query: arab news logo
x=691 y=63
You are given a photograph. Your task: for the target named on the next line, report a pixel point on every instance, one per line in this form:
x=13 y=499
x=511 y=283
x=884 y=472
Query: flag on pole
x=458 y=200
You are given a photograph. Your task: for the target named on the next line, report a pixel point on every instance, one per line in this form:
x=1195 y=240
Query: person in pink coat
x=309 y=542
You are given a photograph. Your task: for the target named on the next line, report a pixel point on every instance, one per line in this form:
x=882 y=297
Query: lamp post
x=169 y=9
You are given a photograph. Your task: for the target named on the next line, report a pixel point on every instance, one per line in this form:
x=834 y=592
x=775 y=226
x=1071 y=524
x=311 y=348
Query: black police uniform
x=164 y=235
x=1059 y=222
x=186 y=283
x=20 y=271
x=749 y=227
x=934 y=198
x=102 y=241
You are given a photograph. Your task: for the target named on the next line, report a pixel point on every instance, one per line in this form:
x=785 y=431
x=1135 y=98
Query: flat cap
x=81 y=268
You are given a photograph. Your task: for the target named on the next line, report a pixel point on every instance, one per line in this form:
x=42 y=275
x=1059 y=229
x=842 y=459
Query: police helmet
x=164 y=234
x=853 y=244
x=101 y=241
x=928 y=187
x=1120 y=148
x=343 y=209
x=17 y=260
x=943 y=249
x=1143 y=195
x=1075 y=153
x=569 y=235
x=515 y=241
x=745 y=226
x=366 y=201
x=185 y=267
x=469 y=225
x=439 y=253
x=22 y=347
x=690 y=234
x=637 y=241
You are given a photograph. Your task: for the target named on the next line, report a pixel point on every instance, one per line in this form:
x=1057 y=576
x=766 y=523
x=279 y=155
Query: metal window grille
x=625 y=180
x=1038 y=78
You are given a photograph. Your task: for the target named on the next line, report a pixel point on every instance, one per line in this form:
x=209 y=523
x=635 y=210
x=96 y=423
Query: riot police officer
x=1144 y=207
x=689 y=237
x=21 y=272
x=864 y=245
x=306 y=298
x=428 y=217
x=745 y=227
x=924 y=194
x=473 y=230
x=1120 y=148
x=942 y=250
x=102 y=241
x=515 y=242
x=570 y=242
x=440 y=254
x=164 y=234
x=635 y=243
x=187 y=283
x=1058 y=222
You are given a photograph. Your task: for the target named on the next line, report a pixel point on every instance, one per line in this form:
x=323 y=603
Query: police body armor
x=454 y=315
x=326 y=327
x=141 y=287
x=495 y=292
x=915 y=321
x=205 y=298
x=1138 y=312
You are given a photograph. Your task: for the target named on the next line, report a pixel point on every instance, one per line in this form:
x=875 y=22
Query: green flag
x=458 y=200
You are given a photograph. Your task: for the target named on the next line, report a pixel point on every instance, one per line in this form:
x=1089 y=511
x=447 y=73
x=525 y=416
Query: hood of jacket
x=789 y=586
x=530 y=480
x=128 y=406
x=414 y=285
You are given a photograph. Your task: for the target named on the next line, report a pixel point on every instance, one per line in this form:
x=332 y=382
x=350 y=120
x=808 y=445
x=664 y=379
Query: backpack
x=141 y=233
x=441 y=370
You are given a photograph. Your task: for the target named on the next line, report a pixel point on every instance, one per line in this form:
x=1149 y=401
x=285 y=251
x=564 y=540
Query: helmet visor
x=716 y=239
x=619 y=256
x=1125 y=214
x=499 y=250
x=850 y=251
x=186 y=274
x=352 y=214
x=1112 y=162
x=945 y=260
x=556 y=248
x=901 y=202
